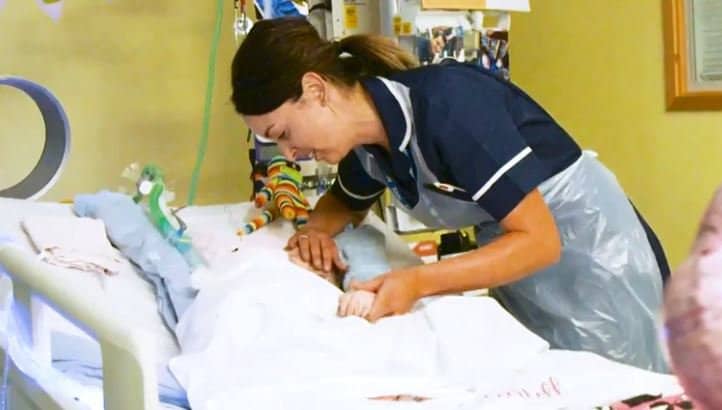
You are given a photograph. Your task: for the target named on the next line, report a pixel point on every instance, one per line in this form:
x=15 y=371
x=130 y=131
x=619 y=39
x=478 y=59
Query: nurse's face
x=310 y=126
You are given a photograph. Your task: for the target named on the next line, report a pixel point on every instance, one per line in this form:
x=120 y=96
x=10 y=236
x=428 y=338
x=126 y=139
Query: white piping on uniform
x=392 y=87
x=500 y=172
x=355 y=196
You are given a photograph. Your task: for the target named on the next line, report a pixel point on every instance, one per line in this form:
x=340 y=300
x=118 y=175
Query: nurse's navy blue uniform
x=459 y=126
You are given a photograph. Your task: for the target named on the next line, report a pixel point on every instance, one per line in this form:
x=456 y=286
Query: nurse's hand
x=396 y=293
x=317 y=248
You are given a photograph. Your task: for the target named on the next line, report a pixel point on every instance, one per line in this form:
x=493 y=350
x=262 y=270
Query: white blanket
x=265 y=336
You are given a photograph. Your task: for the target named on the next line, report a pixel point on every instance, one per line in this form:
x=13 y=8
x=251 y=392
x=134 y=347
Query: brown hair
x=268 y=66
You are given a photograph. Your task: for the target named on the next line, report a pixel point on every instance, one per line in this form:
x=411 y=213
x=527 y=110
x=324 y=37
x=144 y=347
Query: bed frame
x=129 y=372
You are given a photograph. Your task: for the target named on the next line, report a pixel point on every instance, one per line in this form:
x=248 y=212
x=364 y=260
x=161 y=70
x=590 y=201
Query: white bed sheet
x=265 y=334
x=213 y=228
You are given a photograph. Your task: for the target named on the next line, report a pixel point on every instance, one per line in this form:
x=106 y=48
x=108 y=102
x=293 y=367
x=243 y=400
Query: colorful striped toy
x=281 y=194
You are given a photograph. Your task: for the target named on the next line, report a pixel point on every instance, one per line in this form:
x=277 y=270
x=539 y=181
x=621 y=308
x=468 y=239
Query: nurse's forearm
x=511 y=257
x=530 y=244
x=331 y=215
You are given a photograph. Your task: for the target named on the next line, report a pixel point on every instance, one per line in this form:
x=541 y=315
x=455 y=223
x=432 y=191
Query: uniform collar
x=396 y=117
x=394 y=113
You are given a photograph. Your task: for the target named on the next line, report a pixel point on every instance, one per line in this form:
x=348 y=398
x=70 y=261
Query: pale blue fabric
x=364 y=251
x=130 y=230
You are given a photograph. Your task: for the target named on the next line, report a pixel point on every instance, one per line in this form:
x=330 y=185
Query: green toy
x=151 y=186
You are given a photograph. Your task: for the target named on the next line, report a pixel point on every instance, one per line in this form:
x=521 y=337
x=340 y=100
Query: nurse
x=560 y=245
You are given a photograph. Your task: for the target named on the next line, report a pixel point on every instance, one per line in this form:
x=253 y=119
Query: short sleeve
x=482 y=147
x=354 y=186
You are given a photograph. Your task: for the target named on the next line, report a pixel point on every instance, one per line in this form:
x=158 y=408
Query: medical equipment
x=242 y=24
x=57 y=141
x=319 y=15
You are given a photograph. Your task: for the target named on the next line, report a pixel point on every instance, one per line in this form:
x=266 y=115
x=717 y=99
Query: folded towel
x=71 y=242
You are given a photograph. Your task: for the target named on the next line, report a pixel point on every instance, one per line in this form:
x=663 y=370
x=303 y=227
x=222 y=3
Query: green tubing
x=203 y=143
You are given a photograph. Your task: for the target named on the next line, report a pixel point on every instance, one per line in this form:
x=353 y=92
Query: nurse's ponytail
x=369 y=55
x=268 y=66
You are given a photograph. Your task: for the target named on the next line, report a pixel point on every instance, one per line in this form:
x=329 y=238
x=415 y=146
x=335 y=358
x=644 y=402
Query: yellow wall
x=131 y=75
x=597 y=66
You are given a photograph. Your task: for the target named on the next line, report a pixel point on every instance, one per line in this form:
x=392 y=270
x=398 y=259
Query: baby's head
x=335 y=276
x=362 y=249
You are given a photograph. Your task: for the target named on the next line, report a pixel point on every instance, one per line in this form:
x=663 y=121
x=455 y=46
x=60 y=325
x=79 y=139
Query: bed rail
x=129 y=370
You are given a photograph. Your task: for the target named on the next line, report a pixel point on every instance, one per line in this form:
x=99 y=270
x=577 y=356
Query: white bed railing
x=129 y=370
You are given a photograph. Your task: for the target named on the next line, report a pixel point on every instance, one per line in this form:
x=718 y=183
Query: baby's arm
x=363 y=249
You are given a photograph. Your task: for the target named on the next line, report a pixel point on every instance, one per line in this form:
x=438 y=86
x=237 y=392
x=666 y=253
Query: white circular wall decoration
x=57 y=141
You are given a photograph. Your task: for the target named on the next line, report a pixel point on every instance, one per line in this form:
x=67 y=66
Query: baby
x=363 y=251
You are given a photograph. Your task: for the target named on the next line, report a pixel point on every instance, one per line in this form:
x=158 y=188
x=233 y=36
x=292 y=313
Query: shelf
x=506 y=5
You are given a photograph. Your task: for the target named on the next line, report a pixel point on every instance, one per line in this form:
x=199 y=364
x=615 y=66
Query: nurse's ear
x=315 y=88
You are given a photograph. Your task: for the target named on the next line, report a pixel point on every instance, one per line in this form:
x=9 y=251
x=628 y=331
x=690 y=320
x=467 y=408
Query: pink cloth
x=693 y=313
x=649 y=402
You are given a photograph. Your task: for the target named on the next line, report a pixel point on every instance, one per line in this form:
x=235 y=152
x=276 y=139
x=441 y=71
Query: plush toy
x=281 y=194
x=693 y=313
x=151 y=186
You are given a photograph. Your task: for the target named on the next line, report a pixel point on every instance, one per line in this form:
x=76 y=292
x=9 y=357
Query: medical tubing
x=203 y=143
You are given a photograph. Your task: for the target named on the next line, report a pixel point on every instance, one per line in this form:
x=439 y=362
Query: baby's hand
x=356 y=303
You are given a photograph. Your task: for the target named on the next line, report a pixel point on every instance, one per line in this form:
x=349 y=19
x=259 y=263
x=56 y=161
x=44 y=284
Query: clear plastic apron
x=604 y=293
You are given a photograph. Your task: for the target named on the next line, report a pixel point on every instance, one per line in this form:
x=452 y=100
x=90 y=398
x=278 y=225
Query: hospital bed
x=118 y=312
x=69 y=316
